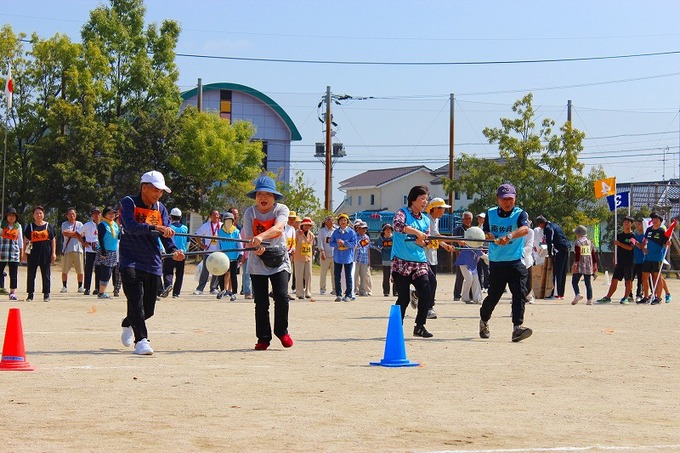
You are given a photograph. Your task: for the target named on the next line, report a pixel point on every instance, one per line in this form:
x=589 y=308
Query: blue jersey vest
x=502 y=226
x=409 y=250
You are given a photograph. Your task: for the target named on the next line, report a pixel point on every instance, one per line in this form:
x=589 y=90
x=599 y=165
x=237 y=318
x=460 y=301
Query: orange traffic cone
x=13 y=351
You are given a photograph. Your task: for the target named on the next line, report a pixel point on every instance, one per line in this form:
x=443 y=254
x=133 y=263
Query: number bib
x=306 y=250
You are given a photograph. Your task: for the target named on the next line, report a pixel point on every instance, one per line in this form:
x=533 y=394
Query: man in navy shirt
x=144 y=219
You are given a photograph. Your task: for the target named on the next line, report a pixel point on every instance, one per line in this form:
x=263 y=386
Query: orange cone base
x=13 y=351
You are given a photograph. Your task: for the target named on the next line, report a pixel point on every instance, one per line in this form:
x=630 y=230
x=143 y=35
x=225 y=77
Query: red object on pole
x=670 y=229
x=13 y=351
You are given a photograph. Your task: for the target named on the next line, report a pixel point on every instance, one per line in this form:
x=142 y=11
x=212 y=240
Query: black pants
x=561 y=262
x=279 y=281
x=422 y=285
x=637 y=273
x=386 y=281
x=232 y=275
x=170 y=266
x=45 y=271
x=432 y=276
x=513 y=274
x=89 y=268
x=140 y=290
x=483 y=272
x=13 y=267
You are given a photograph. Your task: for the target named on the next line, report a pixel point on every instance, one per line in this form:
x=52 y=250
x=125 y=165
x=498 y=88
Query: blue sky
x=628 y=107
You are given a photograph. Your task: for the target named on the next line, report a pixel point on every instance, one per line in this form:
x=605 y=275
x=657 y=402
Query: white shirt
x=210 y=229
x=71 y=244
x=323 y=240
x=90 y=235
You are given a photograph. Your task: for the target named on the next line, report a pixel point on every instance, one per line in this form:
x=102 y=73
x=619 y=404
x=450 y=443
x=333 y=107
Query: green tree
x=543 y=166
x=139 y=98
x=300 y=197
x=213 y=157
x=71 y=161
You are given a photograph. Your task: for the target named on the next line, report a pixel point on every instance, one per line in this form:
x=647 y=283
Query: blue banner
x=620 y=200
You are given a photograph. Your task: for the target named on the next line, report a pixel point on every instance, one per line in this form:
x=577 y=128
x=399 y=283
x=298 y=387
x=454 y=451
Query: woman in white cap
x=265 y=221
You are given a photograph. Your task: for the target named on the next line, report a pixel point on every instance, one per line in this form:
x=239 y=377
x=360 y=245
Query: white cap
x=175 y=212
x=156 y=178
x=482 y=215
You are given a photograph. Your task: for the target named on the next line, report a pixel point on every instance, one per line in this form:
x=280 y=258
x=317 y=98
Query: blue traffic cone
x=395 y=349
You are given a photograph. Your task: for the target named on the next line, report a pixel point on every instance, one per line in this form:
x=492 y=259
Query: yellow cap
x=292 y=214
x=436 y=203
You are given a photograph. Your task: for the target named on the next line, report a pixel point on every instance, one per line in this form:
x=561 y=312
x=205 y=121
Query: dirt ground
x=591 y=378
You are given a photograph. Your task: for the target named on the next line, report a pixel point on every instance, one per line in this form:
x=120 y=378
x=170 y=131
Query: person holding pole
x=144 y=219
x=506 y=224
x=654 y=247
x=409 y=262
x=265 y=221
x=623 y=270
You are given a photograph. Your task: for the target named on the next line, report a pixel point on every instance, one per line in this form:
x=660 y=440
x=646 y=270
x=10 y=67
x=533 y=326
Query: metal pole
x=4 y=164
x=329 y=150
x=451 y=151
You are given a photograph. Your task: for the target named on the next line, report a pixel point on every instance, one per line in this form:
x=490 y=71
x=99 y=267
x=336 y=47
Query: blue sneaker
x=668 y=298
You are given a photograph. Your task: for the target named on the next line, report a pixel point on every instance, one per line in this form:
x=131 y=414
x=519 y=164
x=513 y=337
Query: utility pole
x=329 y=151
x=569 y=111
x=451 y=154
x=199 y=97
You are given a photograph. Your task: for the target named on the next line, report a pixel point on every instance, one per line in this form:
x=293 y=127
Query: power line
x=430 y=63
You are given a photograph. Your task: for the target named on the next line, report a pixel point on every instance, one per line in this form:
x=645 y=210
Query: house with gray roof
x=387 y=189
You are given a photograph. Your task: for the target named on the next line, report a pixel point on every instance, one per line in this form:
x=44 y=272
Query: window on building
x=405 y=201
x=358 y=200
x=372 y=199
x=348 y=200
x=457 y=195
x=469 y=196
x=225 y=105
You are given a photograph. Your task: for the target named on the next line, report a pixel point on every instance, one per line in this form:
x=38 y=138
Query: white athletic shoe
x=214 y=292
x=63 y=290
x=198 y=292
x=143 y=347
x=127 y=337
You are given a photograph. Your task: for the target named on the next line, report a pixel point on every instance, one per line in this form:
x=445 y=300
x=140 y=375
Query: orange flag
x=605 y=187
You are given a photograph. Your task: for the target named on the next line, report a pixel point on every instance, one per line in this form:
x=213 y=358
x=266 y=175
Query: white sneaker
x=322 y=292
x=198 y=292
x=143 y=347
x=530 y=299
x=577 y=299
x=214 y=292
x=63 y=290
x=431 y=314
x=81 y=289
x=127 y=337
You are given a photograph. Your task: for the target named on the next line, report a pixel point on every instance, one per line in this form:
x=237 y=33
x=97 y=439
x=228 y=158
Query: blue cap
x=265 y=184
